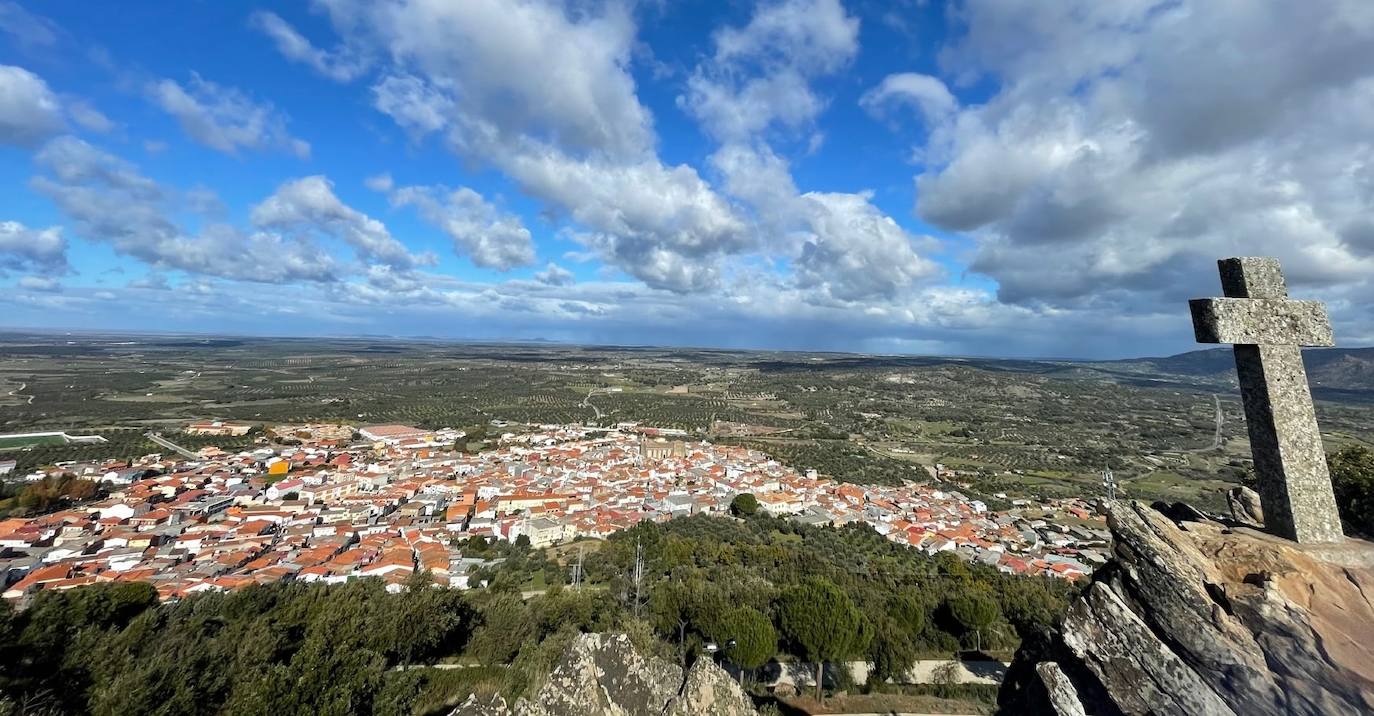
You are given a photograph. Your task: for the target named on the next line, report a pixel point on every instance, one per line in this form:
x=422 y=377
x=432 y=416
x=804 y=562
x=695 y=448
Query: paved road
x=587 y=403
x=1220 y=420
x=164 y=442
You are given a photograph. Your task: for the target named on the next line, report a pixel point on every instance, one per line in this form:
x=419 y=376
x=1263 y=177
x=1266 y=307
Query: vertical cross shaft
x=1285 y=441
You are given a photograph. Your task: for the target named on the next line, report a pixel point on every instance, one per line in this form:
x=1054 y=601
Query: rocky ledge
x=603 y=675
x=1193 y=617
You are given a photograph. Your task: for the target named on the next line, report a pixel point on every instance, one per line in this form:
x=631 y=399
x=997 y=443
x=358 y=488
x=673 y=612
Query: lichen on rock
x=604 y=675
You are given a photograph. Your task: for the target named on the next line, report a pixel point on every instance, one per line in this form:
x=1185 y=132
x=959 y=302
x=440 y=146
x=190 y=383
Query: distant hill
x=1328 y=369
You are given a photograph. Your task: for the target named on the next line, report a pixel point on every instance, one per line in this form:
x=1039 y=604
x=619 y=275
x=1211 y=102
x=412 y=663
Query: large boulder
x=1244 y=505
x=604 y=675
x=1191 y=617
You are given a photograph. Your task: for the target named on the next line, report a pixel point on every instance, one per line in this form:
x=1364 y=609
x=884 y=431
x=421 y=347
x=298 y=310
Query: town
x=390 y=501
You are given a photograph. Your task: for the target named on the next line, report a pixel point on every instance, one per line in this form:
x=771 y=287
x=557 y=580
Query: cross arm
x=1261 y=321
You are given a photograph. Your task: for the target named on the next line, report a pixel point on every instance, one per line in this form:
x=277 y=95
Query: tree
x=1352 y=476
x=755 y=639
x=892 y=651
x=909 y=612
x=506 y=624
x=744 y=505
x=820 y=619
x=974 y=612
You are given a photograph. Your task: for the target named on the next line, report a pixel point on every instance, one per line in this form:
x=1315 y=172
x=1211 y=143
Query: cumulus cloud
x=843 y=249
x=488 y=236
x=759 y=73
x=29 y=111
x=554 y=275
x=111 y=202
x=854 y=252
x=37 y=250
x=525 y=69
x=223 y=118
x=1130 y=144
x=309 y=206
x=413 y=103
x=544 y=94
x=663 y=225
x=339 y=65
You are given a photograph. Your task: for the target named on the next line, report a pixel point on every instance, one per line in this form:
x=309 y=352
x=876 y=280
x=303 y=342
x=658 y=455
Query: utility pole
x=638 y=577
x=577 y=569
x=1109 y=482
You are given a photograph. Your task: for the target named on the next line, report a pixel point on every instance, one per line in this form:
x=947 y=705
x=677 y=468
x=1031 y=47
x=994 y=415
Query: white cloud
x=817 y=34
x=380 y=182
x=413 y=103
x=29 y=111
x=927 y=93
x=488 y=236
x=25 y=249
x=544 y=94
x=46 y=284
x=224 y=118
x=1130 y=144
x=340 y=65
x=554 y=275
x=309 y=206
x=152 y=281
x=109 y=201
x=663 y=225
x=843 y=249
x=89 y=117
x=29 y=31
x=856 y=253
x=529 y=68
x=759 y=74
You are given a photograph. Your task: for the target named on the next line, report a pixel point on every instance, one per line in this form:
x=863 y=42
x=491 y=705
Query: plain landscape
x=1014 y=427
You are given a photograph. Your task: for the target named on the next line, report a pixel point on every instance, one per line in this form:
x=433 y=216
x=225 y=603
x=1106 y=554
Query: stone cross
x=1268 y=330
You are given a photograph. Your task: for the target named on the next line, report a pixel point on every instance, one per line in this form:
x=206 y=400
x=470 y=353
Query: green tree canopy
x=909 y=611
x=755 y=639
x=820 y=620
x=506 y=624
x=892 y=651
x=1352 y=476
x=744 y=505
x=974 y=611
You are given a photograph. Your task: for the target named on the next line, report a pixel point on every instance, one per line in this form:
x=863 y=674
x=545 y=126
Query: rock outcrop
x=1196 y=617
x=1244 y=504
x=603 y=675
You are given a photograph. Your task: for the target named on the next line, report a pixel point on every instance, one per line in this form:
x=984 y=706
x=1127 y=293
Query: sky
x=979 y=177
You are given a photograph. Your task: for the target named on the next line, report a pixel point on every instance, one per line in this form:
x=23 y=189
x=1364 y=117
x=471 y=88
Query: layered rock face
x=1194 y=617
x=603 y=675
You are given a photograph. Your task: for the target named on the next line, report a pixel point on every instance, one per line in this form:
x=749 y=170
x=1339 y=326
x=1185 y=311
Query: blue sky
x=977 y=177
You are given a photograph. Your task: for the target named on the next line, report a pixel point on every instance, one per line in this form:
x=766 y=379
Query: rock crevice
x=1195 y=617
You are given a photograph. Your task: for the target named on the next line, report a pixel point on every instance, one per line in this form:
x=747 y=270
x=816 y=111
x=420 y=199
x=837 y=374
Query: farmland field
x=13 y=443
x=1027 y=428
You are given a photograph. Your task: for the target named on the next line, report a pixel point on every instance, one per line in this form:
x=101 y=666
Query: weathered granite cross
x=1268 y=330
